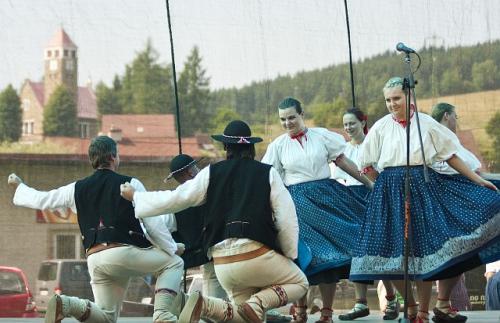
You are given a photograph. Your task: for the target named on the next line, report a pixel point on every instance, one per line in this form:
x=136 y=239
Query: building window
x=28 y=127
x=53 y=65
x=73 y=53
x=56 y=52
x=65 y=53
x=68 y=246
x=26 y=104
x=69 y=65
x=49 y=53
x=84 y=130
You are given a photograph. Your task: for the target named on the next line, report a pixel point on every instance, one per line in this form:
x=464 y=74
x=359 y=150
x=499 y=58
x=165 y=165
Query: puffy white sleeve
x=444 y=141
x=62 y=197
x=285 y=216
x=335 y=144
x=191 y=193
x=369 y=154
x=493 y=267
x=272 y=157
x=156 y=228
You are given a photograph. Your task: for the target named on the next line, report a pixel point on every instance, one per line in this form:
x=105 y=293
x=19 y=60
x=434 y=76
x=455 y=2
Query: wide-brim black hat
x=237 y=132
x=180 y=163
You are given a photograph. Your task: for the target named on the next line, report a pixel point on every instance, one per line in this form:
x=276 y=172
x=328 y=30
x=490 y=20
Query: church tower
x=61 y=66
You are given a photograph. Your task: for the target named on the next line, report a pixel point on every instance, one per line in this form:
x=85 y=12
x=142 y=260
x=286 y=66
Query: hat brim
x=237 y=140
x=194 y=162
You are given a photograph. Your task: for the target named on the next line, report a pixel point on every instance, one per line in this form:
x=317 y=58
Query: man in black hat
x=187 y=228
x=250 y=230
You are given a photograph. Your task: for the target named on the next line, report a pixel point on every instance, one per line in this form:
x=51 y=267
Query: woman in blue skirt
x=329 y=213
x=356 y=128
x=454 y=222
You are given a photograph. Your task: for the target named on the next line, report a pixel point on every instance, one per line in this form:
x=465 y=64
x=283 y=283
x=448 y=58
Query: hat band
x=183 y=167
x=242 y=139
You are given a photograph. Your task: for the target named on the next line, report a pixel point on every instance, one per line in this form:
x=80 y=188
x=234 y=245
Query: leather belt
x=102 y=246
x=241 y=256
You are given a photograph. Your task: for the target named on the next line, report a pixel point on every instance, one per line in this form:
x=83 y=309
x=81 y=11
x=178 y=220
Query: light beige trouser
x=253 y=279
x=110 y=271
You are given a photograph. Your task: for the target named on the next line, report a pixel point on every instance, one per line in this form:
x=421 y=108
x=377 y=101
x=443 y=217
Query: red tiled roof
x=138 y=149
x=141 y=125
x=61 y=39
x=87 y=102
x=39 y=91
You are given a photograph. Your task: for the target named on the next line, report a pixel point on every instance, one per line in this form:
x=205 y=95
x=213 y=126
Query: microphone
x=400 y=47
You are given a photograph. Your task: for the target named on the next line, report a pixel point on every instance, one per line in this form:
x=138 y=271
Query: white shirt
x=194 y=193
x=155 y=228
x=299 y=164
x=493 y=267
x=352 y=152
x=468 y=158
x=385 y=144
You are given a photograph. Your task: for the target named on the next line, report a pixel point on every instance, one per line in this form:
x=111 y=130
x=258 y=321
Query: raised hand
x=127 y=191
x=13 y=180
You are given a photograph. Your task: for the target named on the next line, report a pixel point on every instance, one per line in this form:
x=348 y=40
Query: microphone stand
x=409 y=87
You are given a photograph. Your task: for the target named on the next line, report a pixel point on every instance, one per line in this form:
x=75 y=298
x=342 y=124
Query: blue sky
x=240 y=40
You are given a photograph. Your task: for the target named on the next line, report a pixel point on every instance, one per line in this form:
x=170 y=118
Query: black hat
x=237 y=132
x=180 y=163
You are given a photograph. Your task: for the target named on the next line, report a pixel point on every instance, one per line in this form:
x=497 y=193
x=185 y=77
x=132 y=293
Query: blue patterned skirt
x=454 y=227
x=361 y=190
x=330 y=216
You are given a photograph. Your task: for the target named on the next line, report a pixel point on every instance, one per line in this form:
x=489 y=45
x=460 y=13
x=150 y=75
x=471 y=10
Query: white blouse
x=155 y=228
x=298 y=163
x=352 y=152
x=385 y=144
x=468 y=157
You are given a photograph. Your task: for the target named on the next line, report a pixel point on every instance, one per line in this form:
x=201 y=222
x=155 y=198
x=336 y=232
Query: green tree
x=329 y=115
x=485 y=75
x=493 y=130
x=108 y=100
x=194 y=95
x=146 y=86
x=451 y=82
x=60 y=114
x=10 y=115
x=222 y=117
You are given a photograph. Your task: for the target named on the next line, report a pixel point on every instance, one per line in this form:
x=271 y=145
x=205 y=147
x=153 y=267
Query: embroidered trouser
x=110 y=271
x=267 y=281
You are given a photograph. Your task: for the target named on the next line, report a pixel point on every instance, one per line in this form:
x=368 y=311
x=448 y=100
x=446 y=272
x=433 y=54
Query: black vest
x=189 y=232
x=238 y=203
x=103 y=215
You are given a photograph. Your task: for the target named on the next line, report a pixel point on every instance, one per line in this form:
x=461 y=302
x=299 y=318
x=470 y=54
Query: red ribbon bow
x=298 y=136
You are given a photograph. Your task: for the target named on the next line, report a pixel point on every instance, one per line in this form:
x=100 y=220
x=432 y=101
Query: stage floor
x=375 y=317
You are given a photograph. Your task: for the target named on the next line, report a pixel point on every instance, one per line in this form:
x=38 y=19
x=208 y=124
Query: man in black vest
x=250 y=230
x=116 y=243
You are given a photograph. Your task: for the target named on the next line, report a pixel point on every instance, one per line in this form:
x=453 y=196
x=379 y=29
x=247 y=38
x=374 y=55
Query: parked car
x=71 y=277
x=16 y=299
x=62 y=276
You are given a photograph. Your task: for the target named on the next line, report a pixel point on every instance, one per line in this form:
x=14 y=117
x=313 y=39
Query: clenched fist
x=127 y=191
x=180 y=249
x=13 y=180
